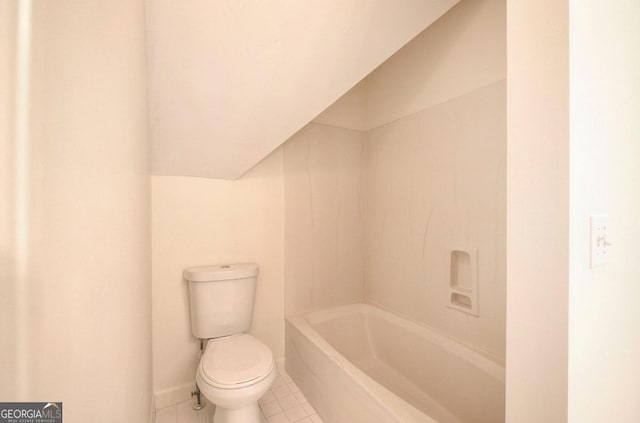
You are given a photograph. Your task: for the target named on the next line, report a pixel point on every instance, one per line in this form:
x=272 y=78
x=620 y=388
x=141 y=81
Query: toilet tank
x=221 y=298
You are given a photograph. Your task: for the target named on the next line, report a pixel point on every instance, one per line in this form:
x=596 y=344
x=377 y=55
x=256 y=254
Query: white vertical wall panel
x=75 y=226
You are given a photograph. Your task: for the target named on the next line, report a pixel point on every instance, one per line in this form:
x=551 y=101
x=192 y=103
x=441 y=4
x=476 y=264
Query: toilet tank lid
x=220 y=272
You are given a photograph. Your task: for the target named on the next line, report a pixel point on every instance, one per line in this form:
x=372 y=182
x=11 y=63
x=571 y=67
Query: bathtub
x=359 y=363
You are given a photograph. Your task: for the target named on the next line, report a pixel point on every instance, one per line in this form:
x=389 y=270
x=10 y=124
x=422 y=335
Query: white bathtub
x=358 y=363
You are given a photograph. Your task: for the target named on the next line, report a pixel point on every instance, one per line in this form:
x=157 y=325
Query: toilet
x=235 y=369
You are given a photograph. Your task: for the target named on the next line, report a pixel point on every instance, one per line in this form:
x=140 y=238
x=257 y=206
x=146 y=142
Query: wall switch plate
x=599 y=239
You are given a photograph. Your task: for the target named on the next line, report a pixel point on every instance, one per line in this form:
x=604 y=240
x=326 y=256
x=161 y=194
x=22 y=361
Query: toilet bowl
x=234 y=373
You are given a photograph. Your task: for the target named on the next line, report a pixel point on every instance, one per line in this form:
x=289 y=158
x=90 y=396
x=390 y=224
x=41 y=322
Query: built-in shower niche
x=463 y=280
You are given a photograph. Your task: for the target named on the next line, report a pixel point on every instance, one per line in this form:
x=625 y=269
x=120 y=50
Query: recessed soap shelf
x=463 y=280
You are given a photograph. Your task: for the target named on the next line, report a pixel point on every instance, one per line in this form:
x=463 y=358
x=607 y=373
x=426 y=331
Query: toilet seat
x=235 y=361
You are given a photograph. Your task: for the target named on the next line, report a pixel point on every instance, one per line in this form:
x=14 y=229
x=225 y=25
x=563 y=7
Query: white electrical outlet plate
x=599 y=239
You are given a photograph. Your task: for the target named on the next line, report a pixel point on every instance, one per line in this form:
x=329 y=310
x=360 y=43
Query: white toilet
x=236 y=369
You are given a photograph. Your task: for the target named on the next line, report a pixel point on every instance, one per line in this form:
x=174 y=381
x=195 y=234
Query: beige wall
x=349 y=111
x=461 y=52
x=324 y=217
x=197 y=221
x=276 y=64
x=262 y=217
x=572 y=330
x=537 y=211
x=80 y=188
x=604 y=339
x=8 y=35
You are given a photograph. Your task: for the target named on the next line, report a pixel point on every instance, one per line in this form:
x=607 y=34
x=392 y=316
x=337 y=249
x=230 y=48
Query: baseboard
x=172 y=396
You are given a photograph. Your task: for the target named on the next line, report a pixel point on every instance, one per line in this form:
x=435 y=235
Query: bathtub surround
x=78 y=188
x=436 y=158
x=393 y=206
x=430 y=178
x=324 y=218
x=436 y=180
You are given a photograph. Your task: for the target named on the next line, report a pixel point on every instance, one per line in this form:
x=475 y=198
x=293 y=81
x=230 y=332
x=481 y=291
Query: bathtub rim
x=482 y=359
x=389 y=401
x=392 y=403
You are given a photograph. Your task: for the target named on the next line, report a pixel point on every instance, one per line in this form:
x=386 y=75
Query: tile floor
x=284 y=403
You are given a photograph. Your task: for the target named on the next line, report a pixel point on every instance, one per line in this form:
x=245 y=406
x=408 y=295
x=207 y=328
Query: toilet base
x=248 y=414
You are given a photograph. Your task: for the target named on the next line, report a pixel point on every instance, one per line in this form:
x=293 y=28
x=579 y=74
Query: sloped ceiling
x=230 y=80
